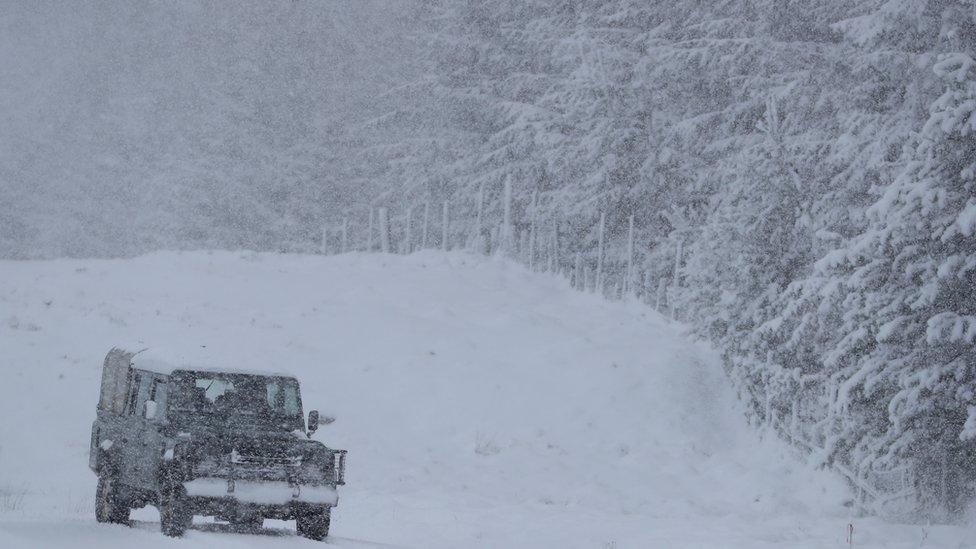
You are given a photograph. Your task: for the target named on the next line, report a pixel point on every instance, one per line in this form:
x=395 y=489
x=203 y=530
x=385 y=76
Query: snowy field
x=482 y=406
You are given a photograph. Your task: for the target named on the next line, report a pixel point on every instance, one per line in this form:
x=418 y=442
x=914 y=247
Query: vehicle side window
x=157 y=393
x=133 y=393
x=292 y=407
x=145 y=382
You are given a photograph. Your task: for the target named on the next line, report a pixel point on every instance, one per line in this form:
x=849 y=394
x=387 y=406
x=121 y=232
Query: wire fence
x=888 y=493
x=615 y=272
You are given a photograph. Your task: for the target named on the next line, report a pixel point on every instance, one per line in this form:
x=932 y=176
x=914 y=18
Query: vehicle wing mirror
x=149 y=409
x=313 y=421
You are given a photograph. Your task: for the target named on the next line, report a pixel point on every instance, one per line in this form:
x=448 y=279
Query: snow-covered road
x=482 y=406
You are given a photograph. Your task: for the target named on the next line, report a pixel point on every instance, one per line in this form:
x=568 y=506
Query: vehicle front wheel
x=314 y=524
x=174 y=514
x=109 y=507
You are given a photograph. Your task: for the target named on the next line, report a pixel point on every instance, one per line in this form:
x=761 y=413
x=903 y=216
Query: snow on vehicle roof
x=201 y=359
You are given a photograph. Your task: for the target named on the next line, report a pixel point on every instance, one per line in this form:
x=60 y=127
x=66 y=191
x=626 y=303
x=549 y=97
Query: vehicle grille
x=264 y=460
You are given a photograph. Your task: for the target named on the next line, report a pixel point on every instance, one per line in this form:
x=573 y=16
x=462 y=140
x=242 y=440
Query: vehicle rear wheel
x=314 y=524
x=109 y=507
x=174 y=514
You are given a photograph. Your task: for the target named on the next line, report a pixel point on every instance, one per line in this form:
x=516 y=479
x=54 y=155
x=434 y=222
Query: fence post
x=408 y=237
x=325 y=240
x=660 y=293
x=577 y=272
x=599 y=259
x=345 y=235
x=423 y=242
x=384 y=226
x=945 y=482
x=481 y=215
x=507 y=218
x=533 y=233
x=444 y=228
x=369 y=235
x=554 y=247
x=531 y=249
x=676 y=284
x=629 y=281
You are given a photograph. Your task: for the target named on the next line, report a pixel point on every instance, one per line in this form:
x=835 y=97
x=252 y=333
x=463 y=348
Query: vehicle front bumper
x=260 y=493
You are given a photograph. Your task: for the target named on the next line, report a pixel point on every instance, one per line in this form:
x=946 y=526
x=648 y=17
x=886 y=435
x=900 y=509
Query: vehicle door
x=153 y=416
x=106 y=437
x=135 y=436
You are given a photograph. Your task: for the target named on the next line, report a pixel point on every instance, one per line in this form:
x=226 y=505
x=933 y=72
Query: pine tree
x=923 y=249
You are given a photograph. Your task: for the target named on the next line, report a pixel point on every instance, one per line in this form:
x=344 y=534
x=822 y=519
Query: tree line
x=798 y=175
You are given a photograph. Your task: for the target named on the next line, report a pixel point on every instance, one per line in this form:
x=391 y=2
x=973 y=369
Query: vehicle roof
x=166 y=361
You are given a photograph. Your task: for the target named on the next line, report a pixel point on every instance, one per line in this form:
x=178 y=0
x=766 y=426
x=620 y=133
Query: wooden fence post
x=444 y=228
x=629 y=281
x=599 y=258
x=423 y=242
x=507 y=235
x=532 y=230
x=369 y=235
x=345 y=235
x=481 y=215
x=676 y=283
x=384 y=226
x=577 y=272
x=408 y=237
x=660 y=293
x=554 y=247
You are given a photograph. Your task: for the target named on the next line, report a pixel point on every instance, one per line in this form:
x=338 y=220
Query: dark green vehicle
x=203 y=442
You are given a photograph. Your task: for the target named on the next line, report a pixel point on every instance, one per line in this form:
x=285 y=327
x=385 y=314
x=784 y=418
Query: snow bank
x=482 y=405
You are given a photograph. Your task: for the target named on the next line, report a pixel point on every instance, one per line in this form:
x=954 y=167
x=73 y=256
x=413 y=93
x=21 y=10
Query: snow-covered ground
x=482 y=406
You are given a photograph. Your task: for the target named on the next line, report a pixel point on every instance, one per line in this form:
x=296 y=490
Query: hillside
x=482 y=405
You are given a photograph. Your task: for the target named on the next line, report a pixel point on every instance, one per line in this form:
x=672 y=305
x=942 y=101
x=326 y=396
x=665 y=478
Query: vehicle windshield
x=236 y=394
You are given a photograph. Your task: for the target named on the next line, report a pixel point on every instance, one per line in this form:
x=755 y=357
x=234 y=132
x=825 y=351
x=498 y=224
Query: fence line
x=387 y=232
x=875 y=492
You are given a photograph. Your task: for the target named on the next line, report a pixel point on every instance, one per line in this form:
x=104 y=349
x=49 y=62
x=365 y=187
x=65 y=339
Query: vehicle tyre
x=314 y=524
x=109 y=506
x=174 y=513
